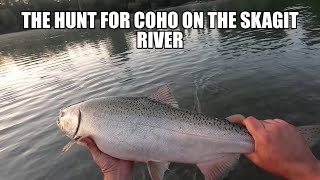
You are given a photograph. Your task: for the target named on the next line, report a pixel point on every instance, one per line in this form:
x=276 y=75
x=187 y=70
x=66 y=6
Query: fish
x=154 y=130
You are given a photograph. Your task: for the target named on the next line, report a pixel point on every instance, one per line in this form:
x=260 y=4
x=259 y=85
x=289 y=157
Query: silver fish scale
x=148 y=109
x=144 y=130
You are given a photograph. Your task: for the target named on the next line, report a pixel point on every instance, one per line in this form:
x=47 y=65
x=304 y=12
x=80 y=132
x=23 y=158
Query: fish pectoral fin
x=164 y=95
x=219 y=167
x=71 y=144
x=68 y=146
x=157 y=169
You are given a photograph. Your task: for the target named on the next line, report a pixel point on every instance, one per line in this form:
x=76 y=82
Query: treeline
x=11 y=20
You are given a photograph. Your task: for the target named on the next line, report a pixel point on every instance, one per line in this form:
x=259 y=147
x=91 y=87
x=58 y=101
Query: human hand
x=280 y=149
x=112 y=168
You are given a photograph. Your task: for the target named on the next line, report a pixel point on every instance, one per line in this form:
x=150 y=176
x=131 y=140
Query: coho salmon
x=154 y=130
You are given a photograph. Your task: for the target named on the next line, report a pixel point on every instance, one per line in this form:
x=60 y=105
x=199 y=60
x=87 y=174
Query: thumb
x=236 y=118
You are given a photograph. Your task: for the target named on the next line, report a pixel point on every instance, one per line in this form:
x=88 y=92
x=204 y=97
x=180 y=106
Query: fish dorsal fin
x=157 y=169
x=164 y=95
x=218 y=168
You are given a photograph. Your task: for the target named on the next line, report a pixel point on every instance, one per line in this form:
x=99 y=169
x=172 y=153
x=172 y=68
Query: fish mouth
x=62 y=129
x=59 y=125
x=58 y=120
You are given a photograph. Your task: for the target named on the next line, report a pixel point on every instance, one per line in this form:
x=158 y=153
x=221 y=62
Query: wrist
x=310 y=172
x=315 y=172
x=117 y=175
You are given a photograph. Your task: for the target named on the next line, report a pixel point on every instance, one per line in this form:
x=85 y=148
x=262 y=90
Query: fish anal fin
x=218 y=168
x=164 y=95
x=157 y=169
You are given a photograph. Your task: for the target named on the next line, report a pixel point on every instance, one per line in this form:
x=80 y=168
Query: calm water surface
x=265 y=73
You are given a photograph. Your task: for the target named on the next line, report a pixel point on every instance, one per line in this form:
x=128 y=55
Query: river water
x=266 y=73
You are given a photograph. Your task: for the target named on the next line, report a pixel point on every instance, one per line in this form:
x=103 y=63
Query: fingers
x=111 y=167
x=253 y=157
x=91 y=146
x=252 y=124
x=255 y=127
x=237 y=118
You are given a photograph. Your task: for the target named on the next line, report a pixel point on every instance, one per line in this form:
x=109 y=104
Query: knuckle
x=280 y=121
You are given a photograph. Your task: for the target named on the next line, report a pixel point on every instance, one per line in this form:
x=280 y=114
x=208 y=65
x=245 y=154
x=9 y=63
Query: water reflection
x=267 y=73
x=45 y=43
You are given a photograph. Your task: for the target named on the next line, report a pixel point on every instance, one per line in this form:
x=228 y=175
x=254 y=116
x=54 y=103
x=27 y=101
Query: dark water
x=265 y=73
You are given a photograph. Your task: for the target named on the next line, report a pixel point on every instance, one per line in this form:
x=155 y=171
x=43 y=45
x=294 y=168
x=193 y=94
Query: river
x=263 y=72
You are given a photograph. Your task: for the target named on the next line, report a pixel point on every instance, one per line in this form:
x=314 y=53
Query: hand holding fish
x=112 y=168
x=280 y=149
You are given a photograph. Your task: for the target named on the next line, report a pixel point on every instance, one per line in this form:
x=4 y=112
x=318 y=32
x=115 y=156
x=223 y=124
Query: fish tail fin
x=311 y=134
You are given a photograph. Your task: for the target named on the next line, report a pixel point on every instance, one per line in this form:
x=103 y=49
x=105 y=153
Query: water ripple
x=262 y=72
